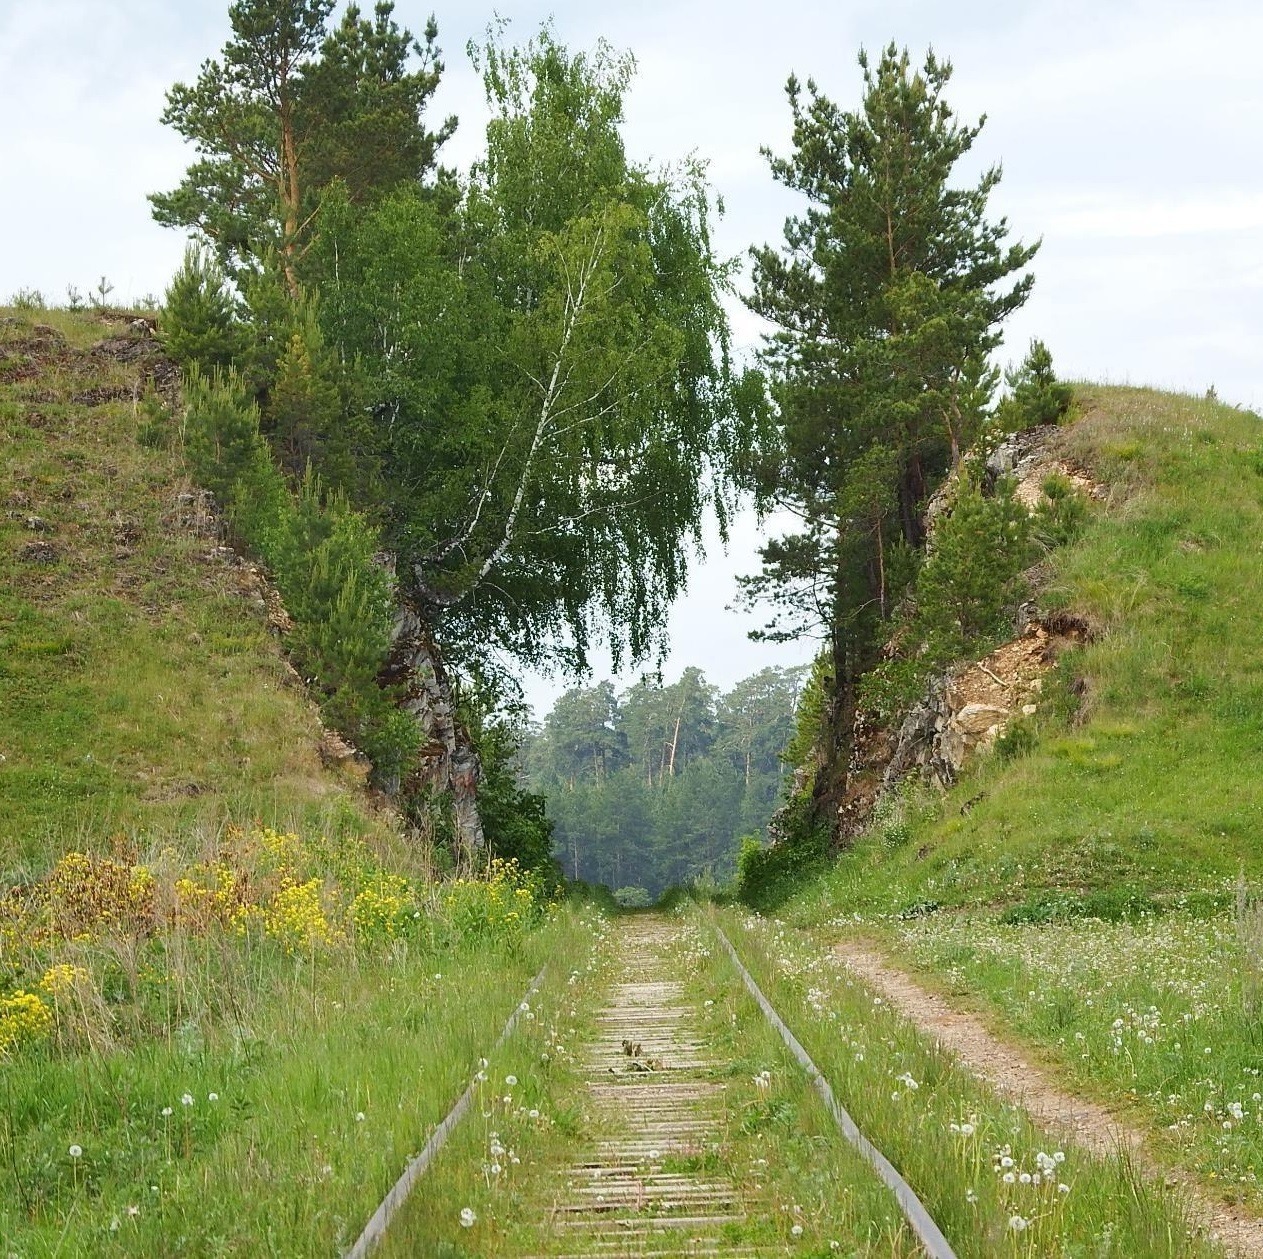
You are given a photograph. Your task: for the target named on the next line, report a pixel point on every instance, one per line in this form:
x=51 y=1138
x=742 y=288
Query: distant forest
x=656 y=786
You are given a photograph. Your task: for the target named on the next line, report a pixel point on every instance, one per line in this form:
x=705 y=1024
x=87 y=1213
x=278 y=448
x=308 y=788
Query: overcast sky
x=1131 y=136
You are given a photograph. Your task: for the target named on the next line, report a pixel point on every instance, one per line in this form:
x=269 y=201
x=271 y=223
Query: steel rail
x=936 y=1245
x=377 y=1225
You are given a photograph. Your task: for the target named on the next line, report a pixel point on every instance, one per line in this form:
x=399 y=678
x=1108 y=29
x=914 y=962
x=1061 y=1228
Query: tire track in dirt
x=1003 y=1066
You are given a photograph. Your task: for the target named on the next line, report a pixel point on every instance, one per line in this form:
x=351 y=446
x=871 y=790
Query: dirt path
x=1003 y=1066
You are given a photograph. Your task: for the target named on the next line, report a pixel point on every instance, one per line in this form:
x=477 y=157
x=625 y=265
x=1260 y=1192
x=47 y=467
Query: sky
x=1130 y=134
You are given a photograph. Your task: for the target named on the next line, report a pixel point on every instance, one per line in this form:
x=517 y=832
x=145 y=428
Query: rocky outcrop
x=967 y=709
x=448 y=762
x=1030 y=458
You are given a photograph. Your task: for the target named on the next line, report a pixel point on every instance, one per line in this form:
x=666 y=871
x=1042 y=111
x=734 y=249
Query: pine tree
x=289 y=110
x=199 y=327
x=887 y=298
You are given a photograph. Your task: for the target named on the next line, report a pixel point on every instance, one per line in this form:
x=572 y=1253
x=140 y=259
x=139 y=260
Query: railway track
x=665 y=1161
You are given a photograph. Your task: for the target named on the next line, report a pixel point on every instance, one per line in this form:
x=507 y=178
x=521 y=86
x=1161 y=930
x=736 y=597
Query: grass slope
x=1142 y=770
x=143 y=692
x=1097 y=897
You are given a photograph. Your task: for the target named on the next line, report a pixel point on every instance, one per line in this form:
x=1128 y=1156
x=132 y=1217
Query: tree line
x=474 y=420
x=656 y=786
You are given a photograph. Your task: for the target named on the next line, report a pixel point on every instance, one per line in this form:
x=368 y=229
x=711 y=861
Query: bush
x=768 y=875
x=226 y=453
x=1037 y=396
x=1060 y=518
x=199 y=327
x=1018 y=739
x=969 y=585
x=321 y=555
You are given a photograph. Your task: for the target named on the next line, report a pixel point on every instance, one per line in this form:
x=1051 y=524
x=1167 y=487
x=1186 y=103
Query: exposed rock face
x=1030 y=458
x=448 y=761
x=969 y=708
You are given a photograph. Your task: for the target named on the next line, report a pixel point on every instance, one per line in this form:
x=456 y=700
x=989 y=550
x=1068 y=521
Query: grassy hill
x=230 y=993
x=145 y=694
x=1139 y=771
x=1097 y=892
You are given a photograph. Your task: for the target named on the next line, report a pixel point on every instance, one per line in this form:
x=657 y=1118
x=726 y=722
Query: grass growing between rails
x=144 y=693
x=1137 y=771
x=238 y=1056
x=496 y=1189
x=995 y=1184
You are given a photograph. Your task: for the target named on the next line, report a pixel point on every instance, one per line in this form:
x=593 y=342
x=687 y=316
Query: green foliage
x=632 y=897
x=769 y=874
x=1017 y=739
x=513 y=817
x=891 y=687
x=886 y=299
x=971 y=581
x=552 y=438
x=289 y=111
x=1107 y=904
x=321 y=554
x=200 y=328
x=1036 y=395
x=156 y=425
x=222 y=443
x=809 y=716
x=653 y=788
x=1062 y=514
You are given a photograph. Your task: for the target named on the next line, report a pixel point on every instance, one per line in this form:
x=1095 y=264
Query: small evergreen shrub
x=199 y=327
x=969 y=585
x=321 y=555
x=1036 y=395
x=1060 y=518
x=1018 y=739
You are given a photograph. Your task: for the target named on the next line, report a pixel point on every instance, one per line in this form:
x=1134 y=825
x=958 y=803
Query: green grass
x=1158 y=1013
x=1141 y=771
x=775 y=1144
x=143 y=692
x=946 y=1132
x=149 y=719
x=1079 y=893
x=328 y=1075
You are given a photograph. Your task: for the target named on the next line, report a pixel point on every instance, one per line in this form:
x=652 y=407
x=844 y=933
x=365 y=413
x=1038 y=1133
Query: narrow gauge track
x=641 y=1184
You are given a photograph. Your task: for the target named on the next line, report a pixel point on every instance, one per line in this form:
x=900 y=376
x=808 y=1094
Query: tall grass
x=993 y=1181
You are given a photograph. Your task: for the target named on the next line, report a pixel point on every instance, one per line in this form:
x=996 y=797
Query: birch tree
x=549 y=358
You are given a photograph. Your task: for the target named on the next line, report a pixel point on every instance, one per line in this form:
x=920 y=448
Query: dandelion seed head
x=467 y=1217
x=75 y=1151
